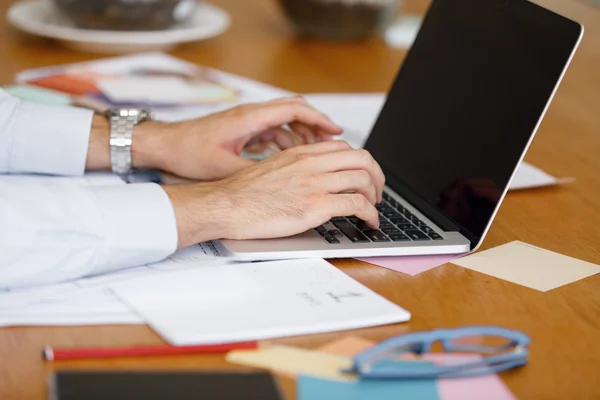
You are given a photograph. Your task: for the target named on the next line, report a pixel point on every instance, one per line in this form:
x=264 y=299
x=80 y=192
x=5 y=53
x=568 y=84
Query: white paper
x=528 y=177
x=88 y=300
x=251 y=301
x=402 y=32
x=151 y=89
x=356 y=113
x=86 y=306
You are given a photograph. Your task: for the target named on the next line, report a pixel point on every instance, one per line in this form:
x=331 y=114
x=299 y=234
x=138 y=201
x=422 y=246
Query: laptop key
x=331 y=239
x=390 y=231
x=342 y=224
x=391 y=214
x=336 y=233
x=354 y=235
x=405 y=226
x=321 y=229
x=416 y=234
x=376 y=236
x=354 y=220
x=399 y=220
x=399 y=237
x=362 y=225
x=435 y=236
x=338 y=219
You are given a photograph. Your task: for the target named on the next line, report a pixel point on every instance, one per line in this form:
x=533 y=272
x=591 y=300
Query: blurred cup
x=126 y=15
x=340 y=19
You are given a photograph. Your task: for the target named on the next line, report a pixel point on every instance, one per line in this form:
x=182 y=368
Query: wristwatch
x=122 y=122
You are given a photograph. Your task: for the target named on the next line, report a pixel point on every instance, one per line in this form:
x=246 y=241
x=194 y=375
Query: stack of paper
x=174 y=89
x=199 y=296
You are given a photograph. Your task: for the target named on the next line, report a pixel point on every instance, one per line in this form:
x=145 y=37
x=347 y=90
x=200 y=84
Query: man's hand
x=209 y=148
x=287 y=194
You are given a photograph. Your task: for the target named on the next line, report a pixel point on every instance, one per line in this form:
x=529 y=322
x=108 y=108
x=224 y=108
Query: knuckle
x=364 y=155
x=363 y=178
x=359 y=201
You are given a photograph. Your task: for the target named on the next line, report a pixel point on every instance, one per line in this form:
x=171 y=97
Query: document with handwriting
x=252 y=301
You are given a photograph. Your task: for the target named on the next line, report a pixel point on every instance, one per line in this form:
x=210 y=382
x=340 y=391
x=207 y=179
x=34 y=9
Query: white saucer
x=39 y=17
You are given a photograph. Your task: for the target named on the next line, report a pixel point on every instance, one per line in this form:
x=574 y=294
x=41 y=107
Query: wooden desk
x=564 y=323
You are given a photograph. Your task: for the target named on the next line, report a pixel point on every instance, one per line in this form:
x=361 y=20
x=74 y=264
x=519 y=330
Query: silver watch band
x=122 y=123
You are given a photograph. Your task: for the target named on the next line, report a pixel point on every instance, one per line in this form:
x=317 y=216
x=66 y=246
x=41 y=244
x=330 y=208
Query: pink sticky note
x=411 y=265
x=488 y=387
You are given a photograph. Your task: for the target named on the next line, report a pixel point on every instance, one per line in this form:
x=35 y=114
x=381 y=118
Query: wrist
x=148 y=145
x=98 y=155
x=202 y=212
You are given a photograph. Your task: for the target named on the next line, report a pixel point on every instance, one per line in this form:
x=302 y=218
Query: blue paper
x=312 y=388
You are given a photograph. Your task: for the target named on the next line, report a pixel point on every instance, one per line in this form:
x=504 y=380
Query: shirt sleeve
x=43 y=139
x=61 y=230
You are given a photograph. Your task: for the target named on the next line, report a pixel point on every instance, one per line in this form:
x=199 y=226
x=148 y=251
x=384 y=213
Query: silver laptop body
x=457 y=122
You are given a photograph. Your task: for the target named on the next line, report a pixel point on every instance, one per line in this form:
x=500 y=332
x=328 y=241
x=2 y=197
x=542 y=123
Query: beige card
x=292 y=361
x=527 y=265
x=346 y=346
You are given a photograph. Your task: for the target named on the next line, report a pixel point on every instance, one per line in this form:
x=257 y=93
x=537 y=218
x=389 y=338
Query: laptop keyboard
x=397 y=225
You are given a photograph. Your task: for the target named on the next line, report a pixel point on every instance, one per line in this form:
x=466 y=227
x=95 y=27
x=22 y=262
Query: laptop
x=458 y=119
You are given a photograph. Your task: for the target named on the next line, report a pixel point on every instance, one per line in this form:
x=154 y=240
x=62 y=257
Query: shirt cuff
x=139 y=225
x=50 y=139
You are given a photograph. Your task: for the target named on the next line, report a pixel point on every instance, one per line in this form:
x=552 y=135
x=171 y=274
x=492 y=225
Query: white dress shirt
x=53 y=230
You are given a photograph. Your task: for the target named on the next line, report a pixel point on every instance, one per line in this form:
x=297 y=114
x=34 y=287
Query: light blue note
x=313 y=388
x=38 y=95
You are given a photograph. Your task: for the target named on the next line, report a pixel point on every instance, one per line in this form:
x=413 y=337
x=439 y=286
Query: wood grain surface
x=564 y=323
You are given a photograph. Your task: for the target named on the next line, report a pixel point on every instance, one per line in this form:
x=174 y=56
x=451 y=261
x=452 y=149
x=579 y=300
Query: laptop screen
x=467 y=100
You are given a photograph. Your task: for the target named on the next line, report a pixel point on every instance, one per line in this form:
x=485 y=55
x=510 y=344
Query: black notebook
x=127 y=385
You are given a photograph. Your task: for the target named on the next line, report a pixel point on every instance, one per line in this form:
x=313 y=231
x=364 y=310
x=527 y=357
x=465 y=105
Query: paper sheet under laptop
x=253 y=301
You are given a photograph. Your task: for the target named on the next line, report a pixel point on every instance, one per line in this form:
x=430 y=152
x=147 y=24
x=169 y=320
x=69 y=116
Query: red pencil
x=51 y=354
